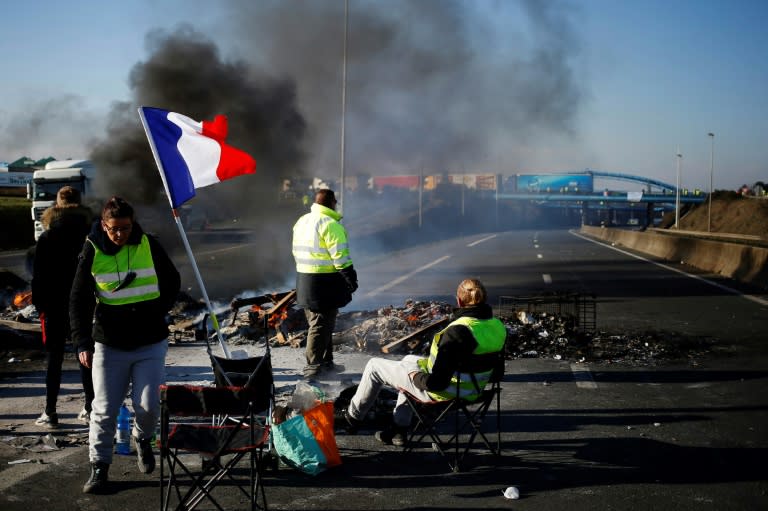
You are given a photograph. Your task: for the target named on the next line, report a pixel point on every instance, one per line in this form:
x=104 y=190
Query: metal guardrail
x=580 y=308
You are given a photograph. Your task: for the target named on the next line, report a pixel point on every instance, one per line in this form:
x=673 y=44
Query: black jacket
x=456 y=344
x=322 y=291
x=125 y=327
x=56 y=260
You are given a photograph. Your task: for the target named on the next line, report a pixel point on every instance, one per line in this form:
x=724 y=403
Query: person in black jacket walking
x=53 y=270
x=124 y=286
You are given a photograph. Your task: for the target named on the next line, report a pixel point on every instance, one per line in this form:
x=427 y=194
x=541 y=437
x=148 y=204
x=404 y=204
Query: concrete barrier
x=743 y=262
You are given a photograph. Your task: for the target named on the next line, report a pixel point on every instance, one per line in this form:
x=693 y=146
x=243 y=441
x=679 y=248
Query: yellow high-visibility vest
x=490 y=335
x=110 y=271
x=320 y=242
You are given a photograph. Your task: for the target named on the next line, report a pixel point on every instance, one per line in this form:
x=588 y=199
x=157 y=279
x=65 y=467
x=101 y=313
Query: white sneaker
x=84 y=416
x=49 y=421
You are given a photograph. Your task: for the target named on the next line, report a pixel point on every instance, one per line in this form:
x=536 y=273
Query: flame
x=274 y=318
x=277 y=318
x=22 y=299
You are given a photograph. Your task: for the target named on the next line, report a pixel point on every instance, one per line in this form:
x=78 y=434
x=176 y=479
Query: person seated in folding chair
x=474 y=333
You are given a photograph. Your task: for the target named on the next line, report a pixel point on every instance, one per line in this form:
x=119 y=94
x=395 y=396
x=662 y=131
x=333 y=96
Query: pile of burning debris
x=276 y=318
x=408 y=329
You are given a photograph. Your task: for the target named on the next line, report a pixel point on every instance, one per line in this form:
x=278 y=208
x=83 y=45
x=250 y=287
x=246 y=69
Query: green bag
x=307 y=442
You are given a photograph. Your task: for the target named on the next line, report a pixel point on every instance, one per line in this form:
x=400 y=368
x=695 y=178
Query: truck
x=46 y=183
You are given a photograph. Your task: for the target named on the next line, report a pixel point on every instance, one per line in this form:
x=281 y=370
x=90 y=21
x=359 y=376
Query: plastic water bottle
x=123 y=437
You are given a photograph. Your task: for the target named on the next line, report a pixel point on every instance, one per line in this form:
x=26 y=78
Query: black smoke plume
x=427 y=90
x=431 y=84
x=185 y=73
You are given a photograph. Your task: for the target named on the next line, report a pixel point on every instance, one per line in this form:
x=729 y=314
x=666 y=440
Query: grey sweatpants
x=393 y=373
x=113 y=371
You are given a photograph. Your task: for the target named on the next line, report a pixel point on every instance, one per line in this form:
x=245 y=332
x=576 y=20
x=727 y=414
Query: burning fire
x=22 y=299
x=275 y=318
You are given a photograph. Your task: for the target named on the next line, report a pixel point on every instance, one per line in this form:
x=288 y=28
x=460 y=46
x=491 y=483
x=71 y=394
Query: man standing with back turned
x=325 y=277
x=56 y=256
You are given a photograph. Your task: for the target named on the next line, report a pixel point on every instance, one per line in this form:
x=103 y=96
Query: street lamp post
x=343 y=103
x=711 y=175
x=677 y=192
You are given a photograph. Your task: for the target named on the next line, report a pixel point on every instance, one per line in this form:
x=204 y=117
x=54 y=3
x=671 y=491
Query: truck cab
x=46 y=183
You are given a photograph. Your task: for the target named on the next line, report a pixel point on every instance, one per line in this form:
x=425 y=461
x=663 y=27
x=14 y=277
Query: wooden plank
x=421 y=331
x=262 y=299
x=184 y=325
x=288 y=298
x=20 y=325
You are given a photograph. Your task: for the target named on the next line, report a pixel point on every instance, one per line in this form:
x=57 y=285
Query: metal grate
x=579 y=307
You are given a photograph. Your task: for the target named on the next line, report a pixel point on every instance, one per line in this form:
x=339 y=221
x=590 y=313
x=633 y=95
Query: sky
x=433 y=86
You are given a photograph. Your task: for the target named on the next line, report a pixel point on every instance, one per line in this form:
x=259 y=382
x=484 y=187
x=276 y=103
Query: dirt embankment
x=731 y=214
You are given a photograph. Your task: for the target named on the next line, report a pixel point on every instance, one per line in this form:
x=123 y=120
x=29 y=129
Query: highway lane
x=13 y=261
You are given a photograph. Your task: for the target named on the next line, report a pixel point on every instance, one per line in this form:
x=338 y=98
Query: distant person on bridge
x=325 y=278
x=473 y=335
x=53 y=269
x=124 y=286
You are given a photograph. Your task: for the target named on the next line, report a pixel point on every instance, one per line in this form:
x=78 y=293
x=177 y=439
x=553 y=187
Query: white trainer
x=84 y=416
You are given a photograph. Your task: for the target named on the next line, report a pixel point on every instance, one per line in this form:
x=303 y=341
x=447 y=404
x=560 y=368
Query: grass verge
x=17 y=226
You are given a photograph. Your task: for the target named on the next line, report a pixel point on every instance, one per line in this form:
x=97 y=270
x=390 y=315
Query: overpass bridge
x=655 y=192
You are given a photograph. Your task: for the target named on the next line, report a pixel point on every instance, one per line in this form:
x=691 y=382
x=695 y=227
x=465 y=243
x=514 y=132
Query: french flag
x=192 y=154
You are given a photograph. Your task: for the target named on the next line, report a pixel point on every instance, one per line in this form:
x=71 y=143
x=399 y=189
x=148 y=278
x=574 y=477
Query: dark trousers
x=320 y=336
x=55 y=334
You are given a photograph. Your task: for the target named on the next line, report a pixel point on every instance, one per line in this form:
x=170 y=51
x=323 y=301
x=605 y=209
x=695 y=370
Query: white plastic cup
x=512 y=493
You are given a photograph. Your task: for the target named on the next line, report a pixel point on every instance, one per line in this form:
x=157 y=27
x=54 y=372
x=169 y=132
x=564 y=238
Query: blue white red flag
x=192 y=154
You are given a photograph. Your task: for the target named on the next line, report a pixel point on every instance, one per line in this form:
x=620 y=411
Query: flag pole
x=184 y=239
x=183 y=233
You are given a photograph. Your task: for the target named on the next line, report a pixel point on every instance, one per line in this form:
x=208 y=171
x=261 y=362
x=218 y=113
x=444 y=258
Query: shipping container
x=398 y=182
x=474 y=181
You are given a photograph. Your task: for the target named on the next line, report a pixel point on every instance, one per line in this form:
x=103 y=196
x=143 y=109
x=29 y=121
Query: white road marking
x=226 y=249
x=406 y=276
x=583 y=377
x=481 y=240
x=681 y=272
x=539 y=256
x=547 y=278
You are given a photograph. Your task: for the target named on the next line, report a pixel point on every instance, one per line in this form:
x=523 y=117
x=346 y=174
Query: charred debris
x=560 y=327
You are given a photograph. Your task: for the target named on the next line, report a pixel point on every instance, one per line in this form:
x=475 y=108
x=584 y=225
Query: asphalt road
x=692 y=434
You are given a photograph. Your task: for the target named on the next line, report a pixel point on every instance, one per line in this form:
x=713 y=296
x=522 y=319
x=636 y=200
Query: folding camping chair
x=236 y=428
x=469 y=416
